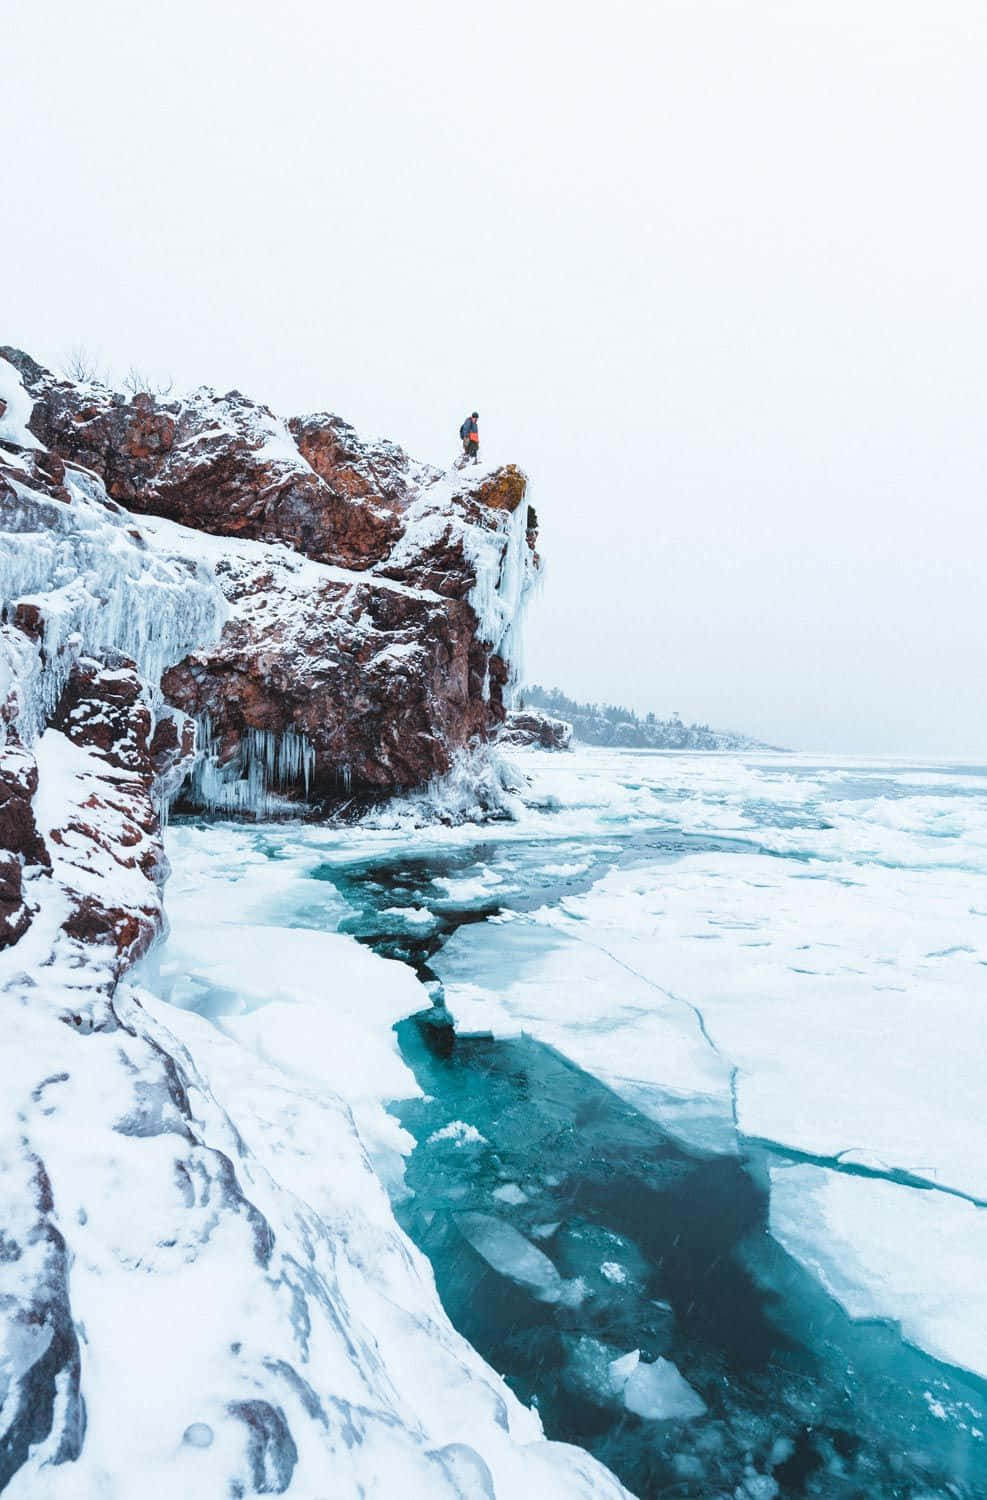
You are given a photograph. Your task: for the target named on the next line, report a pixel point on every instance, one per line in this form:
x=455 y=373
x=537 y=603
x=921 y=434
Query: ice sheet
x=560 y=987
x=839 y=993
x=823 y=973
x=887 y=1251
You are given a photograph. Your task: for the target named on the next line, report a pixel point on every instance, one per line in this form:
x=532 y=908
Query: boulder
x=529 y=727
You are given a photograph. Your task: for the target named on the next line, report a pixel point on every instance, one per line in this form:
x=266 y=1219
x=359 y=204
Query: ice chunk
x=659 y=1393
x=469 y=888
x=459 y=1133
x=470 y=1476
x=622 y=1368
x=656 y=1392
x=508 y=1253
x=509 y=1192
x=198 y=1435
x=417 y=917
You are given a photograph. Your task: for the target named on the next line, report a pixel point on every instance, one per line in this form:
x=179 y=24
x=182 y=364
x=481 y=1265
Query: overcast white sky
x=713 y=271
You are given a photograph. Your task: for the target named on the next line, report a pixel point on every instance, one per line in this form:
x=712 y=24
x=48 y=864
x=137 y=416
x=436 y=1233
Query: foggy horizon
x=712 y=274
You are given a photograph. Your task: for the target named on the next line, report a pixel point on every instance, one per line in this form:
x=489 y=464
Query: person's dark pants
x=471 y=448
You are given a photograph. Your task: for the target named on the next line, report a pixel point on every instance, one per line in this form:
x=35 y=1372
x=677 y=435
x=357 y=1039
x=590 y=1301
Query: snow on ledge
x=13 y=423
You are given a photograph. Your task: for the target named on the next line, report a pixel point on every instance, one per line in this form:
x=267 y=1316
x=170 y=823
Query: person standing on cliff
x=470 y=434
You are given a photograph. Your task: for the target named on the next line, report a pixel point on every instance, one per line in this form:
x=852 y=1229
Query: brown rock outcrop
x=530 y=727
x=227 y=465
x=110 y=830
x=384 y=682
x=20 y=842
x=378 y=666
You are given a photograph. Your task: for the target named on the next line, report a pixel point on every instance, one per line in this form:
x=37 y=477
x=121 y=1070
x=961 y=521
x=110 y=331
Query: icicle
x=255 y=780
x=505 y=573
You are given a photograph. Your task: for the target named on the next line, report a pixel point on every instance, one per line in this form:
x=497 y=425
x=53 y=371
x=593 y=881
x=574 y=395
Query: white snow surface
x=295 y=573
x=288 y=1284
x=812 y=975
x=13 y=423
x=498 y=552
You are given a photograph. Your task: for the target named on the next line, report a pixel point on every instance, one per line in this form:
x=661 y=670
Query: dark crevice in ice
x=900 y=1176
x=669 y=1254
x=654 y=1247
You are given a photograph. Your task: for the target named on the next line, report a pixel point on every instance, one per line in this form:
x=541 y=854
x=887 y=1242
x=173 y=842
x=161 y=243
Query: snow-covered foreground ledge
x=209 y=1293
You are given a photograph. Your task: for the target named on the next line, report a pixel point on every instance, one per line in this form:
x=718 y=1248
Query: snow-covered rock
x=531 y=727
x=374 y=603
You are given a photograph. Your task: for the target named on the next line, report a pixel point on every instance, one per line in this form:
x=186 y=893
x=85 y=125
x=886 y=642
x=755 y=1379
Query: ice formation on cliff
x=97 y=586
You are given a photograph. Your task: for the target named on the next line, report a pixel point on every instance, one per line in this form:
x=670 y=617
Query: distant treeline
x=612 y=724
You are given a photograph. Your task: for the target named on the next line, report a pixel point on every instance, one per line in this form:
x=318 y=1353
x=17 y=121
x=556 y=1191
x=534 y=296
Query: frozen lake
x=692 y=1130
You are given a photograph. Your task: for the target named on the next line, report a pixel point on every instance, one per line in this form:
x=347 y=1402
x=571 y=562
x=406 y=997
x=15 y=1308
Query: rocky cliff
x=201 y=600
x=366 y=606
x=202 y=1288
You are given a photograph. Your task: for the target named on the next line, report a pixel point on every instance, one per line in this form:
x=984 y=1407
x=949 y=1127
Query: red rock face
x=104 y=849
x=383 y=683
x=384 y=669
x=226 y=465
x=20 y=842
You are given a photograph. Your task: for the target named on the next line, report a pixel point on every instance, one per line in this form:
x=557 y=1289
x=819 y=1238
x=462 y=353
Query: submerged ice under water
x=615 y=1182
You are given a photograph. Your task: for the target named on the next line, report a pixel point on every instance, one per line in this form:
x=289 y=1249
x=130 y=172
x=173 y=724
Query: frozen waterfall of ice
x=504 y=578
x=265 y=766
x=100 y=588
